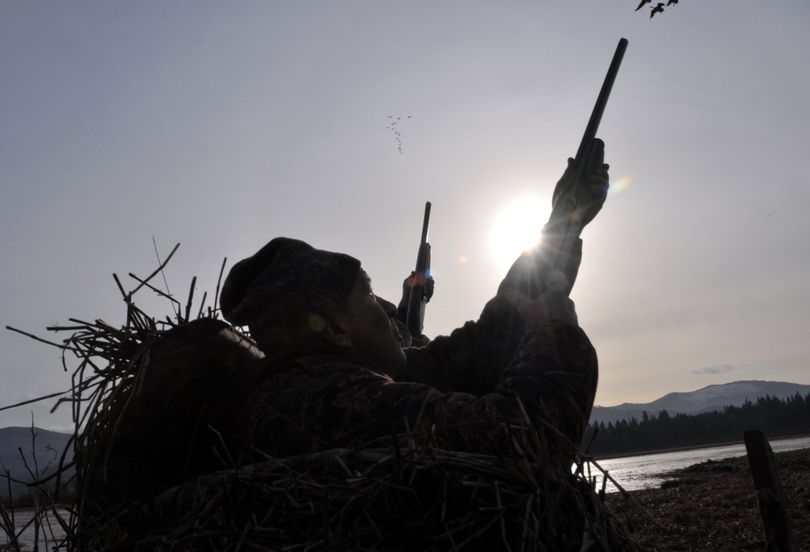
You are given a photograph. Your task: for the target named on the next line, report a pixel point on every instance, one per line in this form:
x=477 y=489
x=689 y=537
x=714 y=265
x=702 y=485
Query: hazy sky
x=220 y=125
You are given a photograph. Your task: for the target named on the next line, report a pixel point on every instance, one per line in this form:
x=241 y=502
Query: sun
x=518 y=227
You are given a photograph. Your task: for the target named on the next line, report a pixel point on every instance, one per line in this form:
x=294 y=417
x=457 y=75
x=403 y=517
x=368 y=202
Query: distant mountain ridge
x=712 y=397
x=47 y=445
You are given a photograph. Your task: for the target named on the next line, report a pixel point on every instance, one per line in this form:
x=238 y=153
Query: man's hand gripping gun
x=419 y=282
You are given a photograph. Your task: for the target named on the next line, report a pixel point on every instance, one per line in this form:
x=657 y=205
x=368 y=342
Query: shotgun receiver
x=415 y=313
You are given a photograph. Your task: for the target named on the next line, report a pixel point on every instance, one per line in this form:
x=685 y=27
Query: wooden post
x=772 y=505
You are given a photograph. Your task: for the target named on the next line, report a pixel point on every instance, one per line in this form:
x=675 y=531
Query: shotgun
x=566 y=219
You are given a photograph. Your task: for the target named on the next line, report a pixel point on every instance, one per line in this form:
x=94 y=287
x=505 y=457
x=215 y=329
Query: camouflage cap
x=281 y=267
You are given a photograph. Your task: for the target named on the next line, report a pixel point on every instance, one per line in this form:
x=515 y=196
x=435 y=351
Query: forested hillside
x=773 y=416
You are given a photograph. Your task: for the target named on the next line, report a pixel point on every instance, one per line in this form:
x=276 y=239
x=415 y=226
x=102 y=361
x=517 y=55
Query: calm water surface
x=647 y=470
x=43 y=538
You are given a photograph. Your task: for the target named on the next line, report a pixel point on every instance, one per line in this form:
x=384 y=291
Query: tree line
x=773 y=416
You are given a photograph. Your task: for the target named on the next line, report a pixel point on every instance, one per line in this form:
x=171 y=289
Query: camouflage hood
x=281 y=267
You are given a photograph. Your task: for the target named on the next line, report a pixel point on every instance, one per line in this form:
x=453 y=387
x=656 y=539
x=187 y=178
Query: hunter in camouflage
x=336 y=376
x=208 y=420
x=459 y=389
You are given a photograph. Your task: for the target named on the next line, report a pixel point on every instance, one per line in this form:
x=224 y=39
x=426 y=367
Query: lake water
x=647 y=470
x=631 y=472
x=46 y=537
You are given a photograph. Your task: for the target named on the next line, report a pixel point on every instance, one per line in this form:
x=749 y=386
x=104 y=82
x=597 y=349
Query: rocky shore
x=711 y=506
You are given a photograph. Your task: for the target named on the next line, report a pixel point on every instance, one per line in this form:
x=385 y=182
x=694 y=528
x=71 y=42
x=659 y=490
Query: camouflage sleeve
x=530 y=270
x=553 y=374
x=345 y=404
x=472 y=358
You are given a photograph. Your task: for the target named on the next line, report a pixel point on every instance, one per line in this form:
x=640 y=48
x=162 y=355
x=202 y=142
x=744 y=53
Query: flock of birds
x=658 y=8
x=392 y=126
x=395 y=119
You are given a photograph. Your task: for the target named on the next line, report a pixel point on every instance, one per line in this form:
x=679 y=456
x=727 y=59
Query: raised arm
x=473 y=357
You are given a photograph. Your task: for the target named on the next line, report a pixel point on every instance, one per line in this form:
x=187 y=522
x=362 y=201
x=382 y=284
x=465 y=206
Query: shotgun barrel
x=566 y=219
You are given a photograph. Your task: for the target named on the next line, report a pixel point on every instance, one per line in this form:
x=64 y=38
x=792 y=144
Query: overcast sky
x=220 y=125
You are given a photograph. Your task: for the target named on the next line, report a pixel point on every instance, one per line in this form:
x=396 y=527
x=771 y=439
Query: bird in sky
x=395 y=125
x=642 y=4
x=659 y=8
x=672 y=2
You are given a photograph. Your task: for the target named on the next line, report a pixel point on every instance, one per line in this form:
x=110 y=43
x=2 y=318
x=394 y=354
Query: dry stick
x=127 y=298
x=34 y=447
x=66 y=527
x=63 y=360
x=35 y=338
x=374 y=526
x=33 y=520
x=202 y=304
x=93 y=327
x=163 y=275
x=157 y=270
x=10 y=502
x=153 y=288
x=64 y=329
x=117 y=422
x=8 y=525
x=621 y=489
x=23 y=403
x=76 y=406
x=48 y=511
x=140 y=320
x=55 y=475
x=478 y=533
x=34 y=475
x=14 y=479
x=500 y=516
x=526 y=516
x=219 y=281
x=190 y=297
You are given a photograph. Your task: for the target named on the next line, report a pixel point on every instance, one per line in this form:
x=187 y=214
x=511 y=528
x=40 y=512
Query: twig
x=219 y=281
x=153 y=288
x=35 y=338
x=30 y=401
x=156 y=271
x=190 y=299
x=163 y=274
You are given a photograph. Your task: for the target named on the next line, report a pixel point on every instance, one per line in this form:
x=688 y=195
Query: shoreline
x=693 y=447
x=712 y=505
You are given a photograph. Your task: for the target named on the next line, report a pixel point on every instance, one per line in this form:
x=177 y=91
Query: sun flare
x=620 y=185
x=517 y=228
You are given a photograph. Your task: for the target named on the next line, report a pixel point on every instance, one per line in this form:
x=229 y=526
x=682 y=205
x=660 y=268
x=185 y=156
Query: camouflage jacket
x=456 y=391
